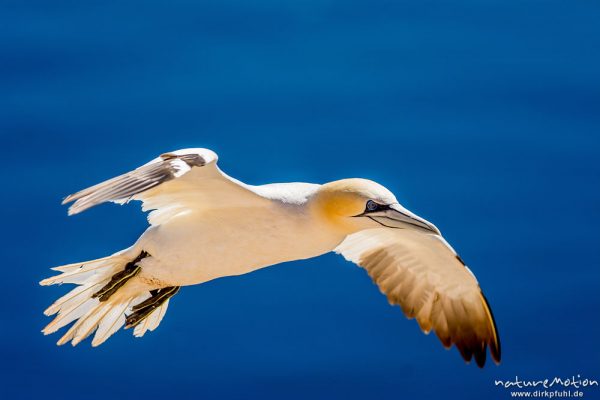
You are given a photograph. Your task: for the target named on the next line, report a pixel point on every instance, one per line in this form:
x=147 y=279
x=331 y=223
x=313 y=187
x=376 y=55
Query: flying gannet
x=206 y=225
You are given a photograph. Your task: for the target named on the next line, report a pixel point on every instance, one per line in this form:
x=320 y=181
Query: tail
x=92 y=313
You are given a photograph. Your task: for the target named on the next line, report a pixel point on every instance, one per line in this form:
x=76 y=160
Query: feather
x=159 y=314
x=73 y=297
x=70 y=315
x=111 y=323
x=90 y=322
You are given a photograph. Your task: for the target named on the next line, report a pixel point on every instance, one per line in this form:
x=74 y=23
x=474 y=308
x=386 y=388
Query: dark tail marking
x=145 y=308
x=120 y=278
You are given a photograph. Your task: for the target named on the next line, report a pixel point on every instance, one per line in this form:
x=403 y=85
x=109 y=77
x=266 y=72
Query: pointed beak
x=399 y=217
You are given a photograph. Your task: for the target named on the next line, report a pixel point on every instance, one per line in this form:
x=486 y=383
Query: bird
x=204 y=224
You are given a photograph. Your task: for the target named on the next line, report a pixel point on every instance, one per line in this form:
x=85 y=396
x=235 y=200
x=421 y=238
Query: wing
x=428 y=280
x=171 y=183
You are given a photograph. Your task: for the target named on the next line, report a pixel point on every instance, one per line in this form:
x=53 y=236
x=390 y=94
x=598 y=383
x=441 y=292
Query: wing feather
x=166 y=167
x=423 y=275
x=169 y=184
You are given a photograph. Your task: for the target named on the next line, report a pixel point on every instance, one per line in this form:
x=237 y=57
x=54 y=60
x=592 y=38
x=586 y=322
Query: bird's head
x=353 y=205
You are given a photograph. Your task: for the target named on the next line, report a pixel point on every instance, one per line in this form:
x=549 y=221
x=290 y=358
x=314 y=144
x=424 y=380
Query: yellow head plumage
x=338 y=200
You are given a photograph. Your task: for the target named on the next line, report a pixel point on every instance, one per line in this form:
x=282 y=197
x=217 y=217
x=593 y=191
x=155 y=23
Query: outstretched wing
x=169 y=184
x=424 y=276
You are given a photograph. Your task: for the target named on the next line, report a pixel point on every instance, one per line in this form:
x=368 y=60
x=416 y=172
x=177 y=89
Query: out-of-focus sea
x=483 y=117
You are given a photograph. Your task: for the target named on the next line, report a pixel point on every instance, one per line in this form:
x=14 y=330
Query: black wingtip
x=494 y=344
x=480 y=355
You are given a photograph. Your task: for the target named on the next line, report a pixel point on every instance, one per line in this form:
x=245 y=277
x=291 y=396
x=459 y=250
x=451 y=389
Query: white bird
x=206 y=225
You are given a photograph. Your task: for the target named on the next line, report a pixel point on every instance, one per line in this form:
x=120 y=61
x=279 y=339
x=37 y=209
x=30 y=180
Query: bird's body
x=198 y=246
x=205 y=225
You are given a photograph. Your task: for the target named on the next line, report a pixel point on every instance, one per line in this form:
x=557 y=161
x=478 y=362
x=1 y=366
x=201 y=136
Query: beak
x=396 y=216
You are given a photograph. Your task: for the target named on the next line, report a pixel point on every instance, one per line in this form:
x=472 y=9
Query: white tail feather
x=162 y=310
x=152 y=321
x=91 y=322
x=73 y=329
x=70 y=315
x=73 y=298
x=111 y=323
x=87 y=272
x=74 y=266
x=89 y=313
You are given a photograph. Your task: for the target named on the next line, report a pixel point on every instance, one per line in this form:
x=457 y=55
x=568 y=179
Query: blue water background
x=481 y=116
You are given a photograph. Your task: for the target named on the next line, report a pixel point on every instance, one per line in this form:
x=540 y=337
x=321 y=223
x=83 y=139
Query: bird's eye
x=372 y=206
